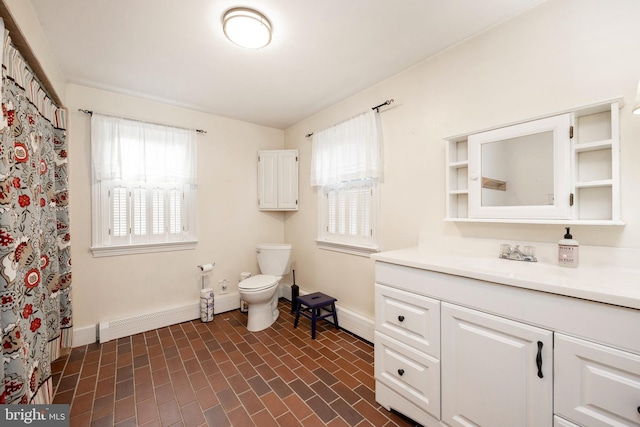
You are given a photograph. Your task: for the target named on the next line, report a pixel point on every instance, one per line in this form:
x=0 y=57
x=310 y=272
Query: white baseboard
x=357 y=324
x=84 y=336
x=348 y=320
x=225 y=302
x=118 y=328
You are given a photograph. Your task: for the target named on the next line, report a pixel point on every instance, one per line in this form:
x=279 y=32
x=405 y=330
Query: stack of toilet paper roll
x=206 y=305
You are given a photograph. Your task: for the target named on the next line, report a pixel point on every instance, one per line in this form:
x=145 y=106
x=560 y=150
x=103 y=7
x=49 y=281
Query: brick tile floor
x=219 y=374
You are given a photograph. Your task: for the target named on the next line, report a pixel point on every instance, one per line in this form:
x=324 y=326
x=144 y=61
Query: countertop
x=615 y=285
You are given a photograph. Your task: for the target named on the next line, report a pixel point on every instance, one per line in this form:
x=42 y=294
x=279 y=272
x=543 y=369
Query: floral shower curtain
x=35 y=263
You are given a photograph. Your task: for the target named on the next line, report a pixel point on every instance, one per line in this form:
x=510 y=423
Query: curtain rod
x=142 y=121
x=377 y=108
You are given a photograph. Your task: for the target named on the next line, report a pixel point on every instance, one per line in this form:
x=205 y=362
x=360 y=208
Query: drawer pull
x=639 y=409
x=539 y=360
x=401 y=318
x=401 y=373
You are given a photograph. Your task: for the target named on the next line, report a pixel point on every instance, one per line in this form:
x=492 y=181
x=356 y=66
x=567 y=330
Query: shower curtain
x=35 y=263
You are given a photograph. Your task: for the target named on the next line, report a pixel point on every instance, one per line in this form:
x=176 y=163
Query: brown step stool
x=310 y=306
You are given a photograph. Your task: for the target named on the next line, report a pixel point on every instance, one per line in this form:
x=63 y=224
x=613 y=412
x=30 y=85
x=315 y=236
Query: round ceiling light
x=246 y=27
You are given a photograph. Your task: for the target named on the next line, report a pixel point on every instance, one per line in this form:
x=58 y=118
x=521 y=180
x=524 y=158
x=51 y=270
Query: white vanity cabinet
x=481 y=353
x=407 y=351
x=596 y=385
x=495 y=372
x=278 y=180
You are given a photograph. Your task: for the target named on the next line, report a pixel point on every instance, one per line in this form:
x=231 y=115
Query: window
x=346 y=168
x=348 y=214
x=144 y=187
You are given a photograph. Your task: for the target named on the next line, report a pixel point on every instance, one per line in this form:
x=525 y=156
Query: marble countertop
x=614 y=285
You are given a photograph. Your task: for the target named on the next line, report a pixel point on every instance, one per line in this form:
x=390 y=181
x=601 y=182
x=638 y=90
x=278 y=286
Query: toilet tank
x=273 y=258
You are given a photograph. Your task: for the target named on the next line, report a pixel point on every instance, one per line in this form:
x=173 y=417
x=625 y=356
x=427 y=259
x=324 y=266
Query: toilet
x=261 y=291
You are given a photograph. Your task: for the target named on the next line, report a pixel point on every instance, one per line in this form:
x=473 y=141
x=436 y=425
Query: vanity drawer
x=410 y=373
x=409 y=318
x=596 y=385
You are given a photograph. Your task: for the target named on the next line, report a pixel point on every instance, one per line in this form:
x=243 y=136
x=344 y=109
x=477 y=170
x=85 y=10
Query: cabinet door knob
x=539 y=360
x=401 y=373
x=401 y=318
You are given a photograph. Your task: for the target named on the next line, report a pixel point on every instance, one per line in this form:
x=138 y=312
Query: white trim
x=357 y=324
x=126 y=326
x=348 y=320
x=226 y=302
x=84 y=336
x=105 y=251
x=364 y=251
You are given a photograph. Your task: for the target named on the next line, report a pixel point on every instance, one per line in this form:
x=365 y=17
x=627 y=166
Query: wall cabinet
x=278 y=180
x=580 y=181
x=461 y=352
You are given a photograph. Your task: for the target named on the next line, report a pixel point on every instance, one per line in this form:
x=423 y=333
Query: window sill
x=358 y=250
x=106 y=251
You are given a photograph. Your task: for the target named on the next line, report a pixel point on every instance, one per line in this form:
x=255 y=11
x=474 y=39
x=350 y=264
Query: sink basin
x=497 y=266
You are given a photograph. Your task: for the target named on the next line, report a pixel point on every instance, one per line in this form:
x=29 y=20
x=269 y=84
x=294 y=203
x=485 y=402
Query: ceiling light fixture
x=246 y=27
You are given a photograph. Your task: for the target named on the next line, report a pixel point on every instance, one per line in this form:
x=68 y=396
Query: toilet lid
x=256 y=283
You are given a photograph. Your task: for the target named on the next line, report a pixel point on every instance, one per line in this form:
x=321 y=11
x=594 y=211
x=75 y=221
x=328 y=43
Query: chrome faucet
x=516 y=254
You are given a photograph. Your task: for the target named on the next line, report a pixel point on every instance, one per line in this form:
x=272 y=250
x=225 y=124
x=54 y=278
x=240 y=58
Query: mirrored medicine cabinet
x=562 y=168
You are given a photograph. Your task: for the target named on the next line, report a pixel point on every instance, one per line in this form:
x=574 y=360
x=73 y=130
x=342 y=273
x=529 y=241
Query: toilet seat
x=258 y=283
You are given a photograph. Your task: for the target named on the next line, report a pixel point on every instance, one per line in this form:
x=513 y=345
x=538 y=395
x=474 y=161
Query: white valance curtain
x=131 y=151
x=348 y=151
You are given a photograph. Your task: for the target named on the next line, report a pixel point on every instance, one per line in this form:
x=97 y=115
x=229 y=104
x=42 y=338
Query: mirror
x=521 y=171
x=507 y=180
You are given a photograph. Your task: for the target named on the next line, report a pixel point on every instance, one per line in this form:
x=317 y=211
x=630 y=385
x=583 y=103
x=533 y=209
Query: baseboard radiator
x=113 y=329
x=118 y=328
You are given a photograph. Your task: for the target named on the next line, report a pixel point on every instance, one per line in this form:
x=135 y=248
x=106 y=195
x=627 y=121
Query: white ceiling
x=322 y=52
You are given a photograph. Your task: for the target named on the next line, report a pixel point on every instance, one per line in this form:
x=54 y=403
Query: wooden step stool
x=310 y=306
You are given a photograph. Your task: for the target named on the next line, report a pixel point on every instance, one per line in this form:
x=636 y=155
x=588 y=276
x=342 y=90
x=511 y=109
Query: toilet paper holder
x=205 y=268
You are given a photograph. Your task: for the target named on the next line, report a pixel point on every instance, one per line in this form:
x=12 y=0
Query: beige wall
x=563 y=54
x=229 y=224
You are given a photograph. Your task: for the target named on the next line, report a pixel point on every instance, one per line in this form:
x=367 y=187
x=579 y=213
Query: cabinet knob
x=400 y=318
x=639 y=409
x=401 y=373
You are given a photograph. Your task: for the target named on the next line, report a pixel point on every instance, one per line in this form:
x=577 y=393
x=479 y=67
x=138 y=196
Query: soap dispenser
x=568 y=250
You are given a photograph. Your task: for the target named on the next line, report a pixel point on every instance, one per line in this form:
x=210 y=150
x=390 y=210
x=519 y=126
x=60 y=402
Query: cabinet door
x=288 y=179
x=490 y=374
x=267 y=180
x=521 y=171
x=595 y=385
